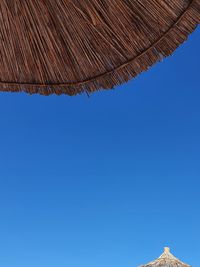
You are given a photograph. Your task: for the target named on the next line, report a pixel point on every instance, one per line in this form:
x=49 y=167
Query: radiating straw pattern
x=166 y=260
x=75 y=46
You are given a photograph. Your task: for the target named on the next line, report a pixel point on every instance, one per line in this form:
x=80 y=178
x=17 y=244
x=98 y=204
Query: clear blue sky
x=105 y=181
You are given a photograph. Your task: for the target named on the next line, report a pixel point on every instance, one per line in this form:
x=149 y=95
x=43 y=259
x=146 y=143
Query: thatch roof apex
x=166 y=259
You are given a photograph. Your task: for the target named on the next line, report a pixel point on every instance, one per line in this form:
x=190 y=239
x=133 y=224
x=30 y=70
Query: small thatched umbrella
x=74 y=46
x=166 y=260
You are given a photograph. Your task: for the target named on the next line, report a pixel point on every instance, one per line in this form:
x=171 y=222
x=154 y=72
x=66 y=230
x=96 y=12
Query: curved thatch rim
x=165 y=46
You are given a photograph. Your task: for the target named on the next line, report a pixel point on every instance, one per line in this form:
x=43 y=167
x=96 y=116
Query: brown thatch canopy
x=166 y=260
x=74 y=46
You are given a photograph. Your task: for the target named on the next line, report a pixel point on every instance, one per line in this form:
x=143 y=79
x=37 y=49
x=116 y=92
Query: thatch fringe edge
x=164 y=47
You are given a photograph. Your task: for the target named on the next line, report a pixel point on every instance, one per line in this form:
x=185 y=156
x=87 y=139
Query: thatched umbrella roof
x=74 y=46
x=166 y=260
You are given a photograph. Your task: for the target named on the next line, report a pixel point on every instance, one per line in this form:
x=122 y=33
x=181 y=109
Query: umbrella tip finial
x=166 y=249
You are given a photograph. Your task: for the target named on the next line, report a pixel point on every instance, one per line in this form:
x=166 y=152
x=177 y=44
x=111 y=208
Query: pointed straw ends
x=162 y=47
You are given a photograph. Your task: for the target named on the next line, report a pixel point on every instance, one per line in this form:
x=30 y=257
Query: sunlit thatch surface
x=166 y=260
x=76 y=46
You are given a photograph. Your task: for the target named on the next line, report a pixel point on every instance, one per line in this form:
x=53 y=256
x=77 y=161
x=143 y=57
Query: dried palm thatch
x=166 y=260
x=74 y=46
